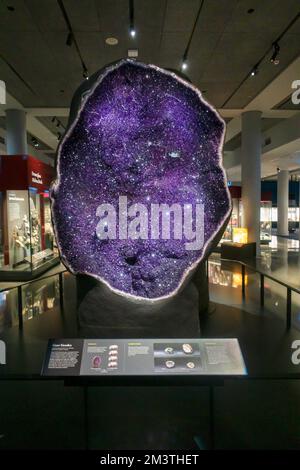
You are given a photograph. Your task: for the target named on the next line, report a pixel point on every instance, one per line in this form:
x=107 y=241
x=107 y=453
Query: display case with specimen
x=26 y=234
x=265 y=222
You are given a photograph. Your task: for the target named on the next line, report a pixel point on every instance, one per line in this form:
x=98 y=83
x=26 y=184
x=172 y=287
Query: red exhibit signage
x=24 y=171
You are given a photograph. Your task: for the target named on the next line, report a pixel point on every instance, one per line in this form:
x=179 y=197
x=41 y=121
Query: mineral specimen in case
x=144 y=148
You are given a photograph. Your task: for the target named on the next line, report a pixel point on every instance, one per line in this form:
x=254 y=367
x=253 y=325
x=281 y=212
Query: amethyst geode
x=142 y=133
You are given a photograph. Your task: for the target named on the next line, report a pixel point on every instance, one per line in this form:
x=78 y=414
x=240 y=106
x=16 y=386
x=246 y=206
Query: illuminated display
x=240 y=235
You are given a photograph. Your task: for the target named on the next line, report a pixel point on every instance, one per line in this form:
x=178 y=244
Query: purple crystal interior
x=144 y=133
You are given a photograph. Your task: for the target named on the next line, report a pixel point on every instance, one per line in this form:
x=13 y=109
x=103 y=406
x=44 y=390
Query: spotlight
x=69 y=40
x=34 y=142
x=132 y=32
x=275 y=59
x=184 y=65
x=254 y=71
x=85 y=73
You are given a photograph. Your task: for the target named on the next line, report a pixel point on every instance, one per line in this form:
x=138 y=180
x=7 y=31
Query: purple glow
x=147 y=134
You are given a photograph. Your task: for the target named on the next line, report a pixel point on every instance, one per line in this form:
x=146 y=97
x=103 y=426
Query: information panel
x=143 y=357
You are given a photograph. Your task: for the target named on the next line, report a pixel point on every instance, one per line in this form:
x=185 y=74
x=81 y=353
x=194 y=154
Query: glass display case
x=37 y=298
x=293 y=218
x=234 y=221
x=265 y=222
x=27 y=240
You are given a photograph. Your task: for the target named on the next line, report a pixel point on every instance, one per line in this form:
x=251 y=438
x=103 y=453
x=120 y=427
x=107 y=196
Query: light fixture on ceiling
x=55 y=121
x=254 y=71
x=275 y=56
x=184 y=65
x=69 y=40
x=250 y=11
x=111 y=41
x=34 y=142
x=10 y=8
x=132 y=30
x=85 y=73
x=58 y=124
x=133 y=53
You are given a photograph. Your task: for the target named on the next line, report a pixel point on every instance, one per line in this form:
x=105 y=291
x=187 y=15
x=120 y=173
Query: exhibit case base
x=29 y=274
x=238 y=251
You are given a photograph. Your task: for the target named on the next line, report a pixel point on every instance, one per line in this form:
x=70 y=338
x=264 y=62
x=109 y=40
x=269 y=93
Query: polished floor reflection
x=175 y=417
x=37 y=298
x=280 y=260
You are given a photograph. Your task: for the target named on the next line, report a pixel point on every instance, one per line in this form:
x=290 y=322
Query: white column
x=16 y=137
x=282 y=202
x=251 y=174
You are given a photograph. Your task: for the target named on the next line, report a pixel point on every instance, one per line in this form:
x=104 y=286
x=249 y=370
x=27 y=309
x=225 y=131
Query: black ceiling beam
x=71 y=32
x=131 y=13
x=186 y=52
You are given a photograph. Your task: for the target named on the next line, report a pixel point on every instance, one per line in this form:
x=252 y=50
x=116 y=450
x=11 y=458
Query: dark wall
x=271 y=187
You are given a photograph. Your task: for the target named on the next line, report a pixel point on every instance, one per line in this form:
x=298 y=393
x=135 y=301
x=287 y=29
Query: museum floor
x=261 y=411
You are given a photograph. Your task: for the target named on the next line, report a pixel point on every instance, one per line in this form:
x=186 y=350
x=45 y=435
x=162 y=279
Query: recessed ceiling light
x=111 y=41
x=11 y=8
x=133 y=53
x=251 y=10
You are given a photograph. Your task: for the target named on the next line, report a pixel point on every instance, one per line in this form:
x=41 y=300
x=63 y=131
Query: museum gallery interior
x=149 y=224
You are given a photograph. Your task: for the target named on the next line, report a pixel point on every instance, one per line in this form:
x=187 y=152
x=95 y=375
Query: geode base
x=104 y=314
